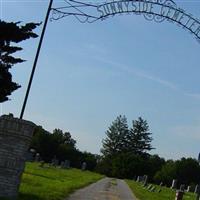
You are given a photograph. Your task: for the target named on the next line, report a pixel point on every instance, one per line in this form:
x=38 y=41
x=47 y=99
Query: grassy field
x=51 y=183
x=166 y=194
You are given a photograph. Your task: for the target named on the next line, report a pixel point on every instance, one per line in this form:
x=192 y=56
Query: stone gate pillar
x=15 y=137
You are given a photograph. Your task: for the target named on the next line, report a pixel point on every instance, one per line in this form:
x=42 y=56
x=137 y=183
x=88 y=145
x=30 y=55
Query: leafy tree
x=42 y=143
x=58 y=144
x=139 y=138
x=128 y=165
x=115 y=141
x=62 y=145
x=90 y=159
x=104 y=166
x=186 y=171
x=11 y=33
x=154 y=164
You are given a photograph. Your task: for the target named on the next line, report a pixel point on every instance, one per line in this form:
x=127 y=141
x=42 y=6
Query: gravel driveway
x=105 y=189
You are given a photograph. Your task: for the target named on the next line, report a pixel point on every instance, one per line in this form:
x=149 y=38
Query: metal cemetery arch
x=152 y=10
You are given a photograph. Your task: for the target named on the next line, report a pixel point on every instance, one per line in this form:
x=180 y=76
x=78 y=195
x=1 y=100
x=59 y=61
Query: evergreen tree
x=139 y=138
x=11 y=33
x=115 y=141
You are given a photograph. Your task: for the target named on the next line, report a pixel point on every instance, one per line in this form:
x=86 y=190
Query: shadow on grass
x=39 y=175
x=28 y=197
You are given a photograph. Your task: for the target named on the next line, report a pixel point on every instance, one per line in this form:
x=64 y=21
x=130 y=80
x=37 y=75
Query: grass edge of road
x=166 y=193
x=50 y=183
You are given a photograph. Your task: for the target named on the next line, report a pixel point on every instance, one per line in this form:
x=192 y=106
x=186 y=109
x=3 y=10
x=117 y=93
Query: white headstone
x=174 y=184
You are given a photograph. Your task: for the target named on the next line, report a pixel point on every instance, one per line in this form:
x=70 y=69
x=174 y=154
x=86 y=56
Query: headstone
x=54 y=162
x=30 y=155
x=189 y=188
x=62 y=164
x=182 y=187
x=67 y=164
x=159 y=190
x=197 y=192
x=197 y=189
x=145 y=179
x=149 y=187
x=37 y=157
x=15 y=138
x=153 y=189
x=179 y=195
x=174 y=184
x=140 y=179
x=84 y=165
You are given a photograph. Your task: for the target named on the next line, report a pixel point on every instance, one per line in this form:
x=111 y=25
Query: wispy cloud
x=100 y=55
x=139 y=73
x=146 y=75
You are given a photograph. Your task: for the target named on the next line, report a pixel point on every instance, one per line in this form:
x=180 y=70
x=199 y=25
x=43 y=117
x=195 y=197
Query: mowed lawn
x=166 y=193
x=51 y=183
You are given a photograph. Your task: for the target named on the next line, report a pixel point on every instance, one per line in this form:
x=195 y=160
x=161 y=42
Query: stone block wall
x=15 y=137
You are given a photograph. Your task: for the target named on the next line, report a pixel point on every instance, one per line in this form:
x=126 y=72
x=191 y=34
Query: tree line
x=62 y=146
x=126 y=154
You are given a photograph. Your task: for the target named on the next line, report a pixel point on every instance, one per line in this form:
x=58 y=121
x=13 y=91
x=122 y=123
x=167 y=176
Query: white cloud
x=143 y=74
x=100 y=56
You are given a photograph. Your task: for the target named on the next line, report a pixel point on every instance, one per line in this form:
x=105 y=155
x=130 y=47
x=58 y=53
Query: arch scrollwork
x=152 y=10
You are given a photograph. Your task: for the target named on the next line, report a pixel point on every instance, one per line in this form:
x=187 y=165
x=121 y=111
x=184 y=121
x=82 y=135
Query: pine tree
x=11 y=33
x=139 y=138
x=115 y=141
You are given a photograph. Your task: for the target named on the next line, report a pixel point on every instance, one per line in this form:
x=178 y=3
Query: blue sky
x=88 y=74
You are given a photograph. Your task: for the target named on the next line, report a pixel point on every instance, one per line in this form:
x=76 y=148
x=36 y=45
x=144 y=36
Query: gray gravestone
x=189 y=188
x=182 y=187
x=84 y=165
x=149 y=187
x=62 y=164
x=54 y=162
x=37 y=157
x=30 y=155
x=140 y=179
x=197 y=189
x=15 y=137
x=67 y=164
x=174 y=184
x=153 y=189
x=159 y=190
x=145 y=180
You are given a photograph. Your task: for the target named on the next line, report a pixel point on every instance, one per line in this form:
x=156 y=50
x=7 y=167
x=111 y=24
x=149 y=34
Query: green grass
x=51 y=183
x=166 y=193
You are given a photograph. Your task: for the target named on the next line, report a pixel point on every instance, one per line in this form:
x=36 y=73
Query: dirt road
x=105 y=189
